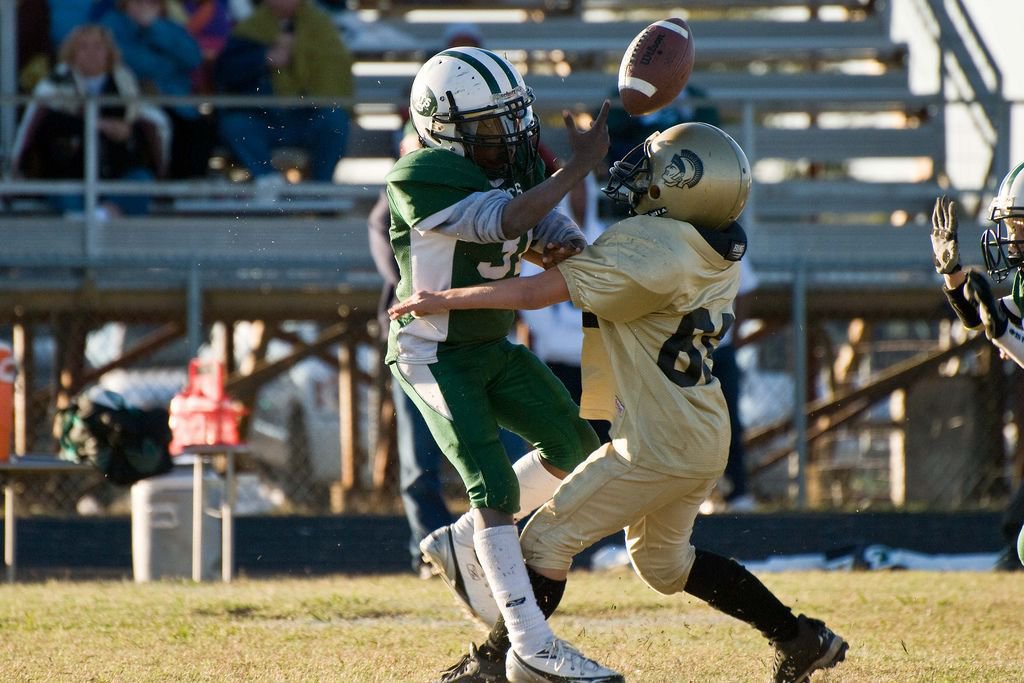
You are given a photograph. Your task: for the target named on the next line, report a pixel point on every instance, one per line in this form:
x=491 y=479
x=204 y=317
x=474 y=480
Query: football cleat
x=477 y=666
x=557 y=661
x=814 y=647
x=454 y=560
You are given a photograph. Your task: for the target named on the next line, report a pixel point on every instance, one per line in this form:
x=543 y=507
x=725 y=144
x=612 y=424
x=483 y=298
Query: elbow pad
x=964 y=310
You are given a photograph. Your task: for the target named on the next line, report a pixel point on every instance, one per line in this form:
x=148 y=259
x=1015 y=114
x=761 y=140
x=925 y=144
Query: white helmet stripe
x=510 y=73
x=492 y=77
x=477 y=66
x=1010 y=178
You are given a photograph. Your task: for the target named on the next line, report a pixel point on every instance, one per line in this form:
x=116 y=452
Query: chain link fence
x=292 y=425
x=902 y=413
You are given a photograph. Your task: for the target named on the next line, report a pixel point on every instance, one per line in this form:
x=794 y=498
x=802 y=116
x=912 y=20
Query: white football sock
x=462 y=529
x=499 y=553
x=536 y=484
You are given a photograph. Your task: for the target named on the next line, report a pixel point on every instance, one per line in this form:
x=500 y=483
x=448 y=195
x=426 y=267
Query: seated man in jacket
x=286 y=48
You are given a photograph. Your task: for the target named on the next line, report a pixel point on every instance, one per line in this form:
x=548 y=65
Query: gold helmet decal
x=684 y=170
x=692 y=172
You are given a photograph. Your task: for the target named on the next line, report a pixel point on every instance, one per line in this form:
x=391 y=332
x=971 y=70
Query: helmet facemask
x=630 y=177
x=1002 y=247
x=691 y=172
x=501 y=139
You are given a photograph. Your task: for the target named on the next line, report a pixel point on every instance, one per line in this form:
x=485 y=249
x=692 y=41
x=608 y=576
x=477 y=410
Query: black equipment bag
x=126 y=444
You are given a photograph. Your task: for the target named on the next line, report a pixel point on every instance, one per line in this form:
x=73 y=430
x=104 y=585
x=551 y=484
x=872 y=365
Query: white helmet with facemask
x=473 y=102
x=1002 y=247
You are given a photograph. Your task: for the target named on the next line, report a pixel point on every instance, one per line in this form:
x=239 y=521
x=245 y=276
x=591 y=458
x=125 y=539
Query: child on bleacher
x=50 y=142
x=164 y=57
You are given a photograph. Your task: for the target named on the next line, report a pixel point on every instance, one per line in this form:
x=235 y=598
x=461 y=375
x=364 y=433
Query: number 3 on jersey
x=680 y=359
x=510 y=255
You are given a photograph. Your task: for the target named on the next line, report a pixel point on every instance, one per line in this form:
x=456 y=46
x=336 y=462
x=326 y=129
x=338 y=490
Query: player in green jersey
x=971 y=297
x=657 y=292
x=465 y=209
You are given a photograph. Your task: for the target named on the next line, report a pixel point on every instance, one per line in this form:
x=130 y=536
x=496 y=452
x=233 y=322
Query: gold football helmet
x=691 y=172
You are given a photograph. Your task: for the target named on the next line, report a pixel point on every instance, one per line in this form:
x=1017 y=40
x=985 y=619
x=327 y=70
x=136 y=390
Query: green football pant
x=469 y=393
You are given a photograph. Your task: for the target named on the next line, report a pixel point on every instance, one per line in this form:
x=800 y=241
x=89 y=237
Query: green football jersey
x=420 y=185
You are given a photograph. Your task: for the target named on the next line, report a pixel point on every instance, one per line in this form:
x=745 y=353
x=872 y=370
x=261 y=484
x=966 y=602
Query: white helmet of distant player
x=473 y=102
x=692 y=172
x=1002 y=247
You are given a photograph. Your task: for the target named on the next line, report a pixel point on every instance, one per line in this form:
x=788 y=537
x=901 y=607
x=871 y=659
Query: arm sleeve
x=477 y=218
x=156 y=52
x=175 y=44
x=29 y=124
x=337 y=80
x=556 y=227
x=967 y=314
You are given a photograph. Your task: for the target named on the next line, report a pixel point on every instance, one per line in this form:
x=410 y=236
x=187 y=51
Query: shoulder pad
x=439 y=167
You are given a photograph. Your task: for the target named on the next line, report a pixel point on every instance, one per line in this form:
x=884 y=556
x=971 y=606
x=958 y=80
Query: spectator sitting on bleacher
x=50 y=141
x=209 y=23
x=286 y=48
x=164 y=57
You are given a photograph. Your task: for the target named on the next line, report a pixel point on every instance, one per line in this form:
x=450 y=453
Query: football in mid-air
x=656 y=66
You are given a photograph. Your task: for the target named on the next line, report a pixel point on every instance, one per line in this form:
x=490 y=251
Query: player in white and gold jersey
x=657 y=291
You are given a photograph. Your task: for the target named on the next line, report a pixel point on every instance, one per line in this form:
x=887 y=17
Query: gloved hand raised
x=944 y=240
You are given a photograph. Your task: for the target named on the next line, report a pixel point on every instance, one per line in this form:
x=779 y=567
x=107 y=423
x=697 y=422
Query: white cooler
x=162 y=526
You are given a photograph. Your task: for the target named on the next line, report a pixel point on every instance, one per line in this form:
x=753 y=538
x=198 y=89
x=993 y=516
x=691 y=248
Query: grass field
x=902 y=626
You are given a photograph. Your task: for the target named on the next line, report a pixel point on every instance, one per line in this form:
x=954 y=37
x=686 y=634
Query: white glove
x=944 y=242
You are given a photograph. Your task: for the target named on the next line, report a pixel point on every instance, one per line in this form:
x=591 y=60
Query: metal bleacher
x=847 y=159
x=813 y=91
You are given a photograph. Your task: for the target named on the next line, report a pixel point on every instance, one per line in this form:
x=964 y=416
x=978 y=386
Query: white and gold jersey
x=662 y=297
